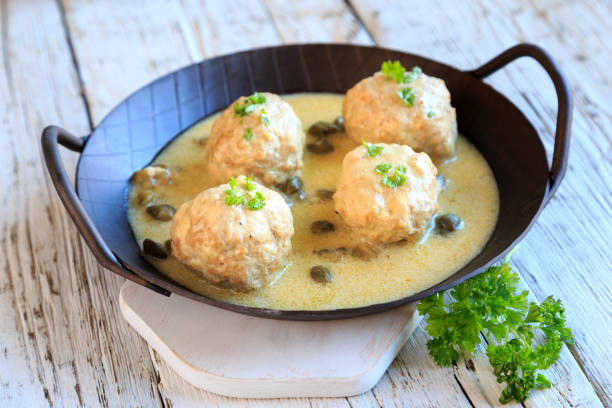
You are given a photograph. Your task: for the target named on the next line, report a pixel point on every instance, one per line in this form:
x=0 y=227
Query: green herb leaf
x=490 y=303
x=233 y=183
x=371 y=149
x=383 y=168
x=257 y=202
x=413 y=74
x=407 y=95
x=398 y=178
x=249 y=104
x=393 y=70
x=431 y=114
x=248 y=134
x=264 y=118
x=249 y=184
x=233 y=195
x=257 y=98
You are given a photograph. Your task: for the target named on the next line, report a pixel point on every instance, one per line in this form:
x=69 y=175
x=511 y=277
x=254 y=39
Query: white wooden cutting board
x=241 y=356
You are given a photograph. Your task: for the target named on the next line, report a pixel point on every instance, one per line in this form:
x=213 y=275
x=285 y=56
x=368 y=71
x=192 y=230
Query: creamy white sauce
x=400 y=269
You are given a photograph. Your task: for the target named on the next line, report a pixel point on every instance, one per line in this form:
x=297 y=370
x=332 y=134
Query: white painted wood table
x=63 y=341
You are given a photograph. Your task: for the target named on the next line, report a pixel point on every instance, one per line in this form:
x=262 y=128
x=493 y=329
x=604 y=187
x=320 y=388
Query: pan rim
x=327 y=314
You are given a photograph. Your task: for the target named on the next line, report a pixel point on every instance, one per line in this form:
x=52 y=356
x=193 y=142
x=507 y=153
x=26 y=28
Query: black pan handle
x=564 y=103
x=52 y=137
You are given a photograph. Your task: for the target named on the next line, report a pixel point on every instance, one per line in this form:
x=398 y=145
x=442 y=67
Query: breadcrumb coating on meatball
x=418 y=113
x=230 y=243
x=259 y=136
x=389 y=196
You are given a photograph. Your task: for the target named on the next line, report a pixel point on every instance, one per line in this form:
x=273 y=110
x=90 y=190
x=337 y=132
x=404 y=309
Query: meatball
x=418 y=113
x=258 y=136
x=387 y=193
x=236 y=235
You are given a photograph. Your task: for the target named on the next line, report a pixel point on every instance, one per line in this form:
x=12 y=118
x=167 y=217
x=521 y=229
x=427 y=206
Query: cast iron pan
x=134 y=132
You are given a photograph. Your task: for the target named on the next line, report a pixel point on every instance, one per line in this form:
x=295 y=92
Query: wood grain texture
x=206 y=29
x=316 y=21
x=74 y=349
x=62 y=339
x=278 y=359
x=567 y=251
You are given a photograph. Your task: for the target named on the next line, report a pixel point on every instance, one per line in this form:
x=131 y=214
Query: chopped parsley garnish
x=397 y=72
x=257 y=202
x=371 y=149
x=248 y=134
x=398 y=178
x=383 y=168
x=264 y=118
x=407 y=95
x=249 y=104
x=257 y=98
x=489 y=303
x=413 y=74
x=393 y=70
x=431 y=114
x=249 y=184
x=233 y=195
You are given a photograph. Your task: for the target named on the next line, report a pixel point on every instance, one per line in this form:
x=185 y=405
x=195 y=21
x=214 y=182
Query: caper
x=442 y=181
x=154 y=249
x=168 y=246
x=300 y=195
x=322 y=128
x=147 y=197
x=161 y=212
x=339 y=122
x=291 y=186
x=365 y=252
x=322 y=227
x=448 y=223
x=201 y=141
x=321 y=146
x=321 y=274
x=332 y=254
x=325 y=194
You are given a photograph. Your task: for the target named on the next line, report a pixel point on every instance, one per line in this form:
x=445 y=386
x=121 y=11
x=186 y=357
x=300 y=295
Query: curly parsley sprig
x=489 y=303
x=372 y=150
x=398 y=178
x=394 y=70
x=233 y=195
x=408 y=96
x=248 y=105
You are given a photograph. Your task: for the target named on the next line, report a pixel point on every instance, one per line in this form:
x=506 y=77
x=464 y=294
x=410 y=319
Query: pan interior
x=400 y=270
x=141 y=125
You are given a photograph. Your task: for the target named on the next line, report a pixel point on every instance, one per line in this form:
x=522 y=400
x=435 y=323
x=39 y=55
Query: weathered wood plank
x=202 y=29
x=570 y=386
x=128 y=41
x=316 y=21
x=62 y=340
x=180 y=393
x=569 y=240
x=196 y=29
x=141 y=43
